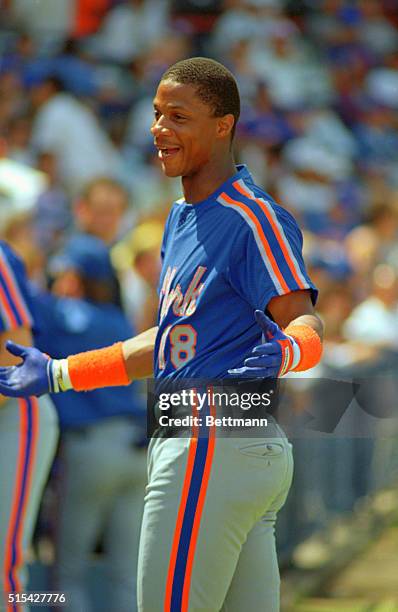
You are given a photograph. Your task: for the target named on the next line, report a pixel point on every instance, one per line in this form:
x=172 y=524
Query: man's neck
x=201 y=185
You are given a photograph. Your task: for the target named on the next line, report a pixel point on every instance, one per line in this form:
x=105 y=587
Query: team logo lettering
x=182 y=304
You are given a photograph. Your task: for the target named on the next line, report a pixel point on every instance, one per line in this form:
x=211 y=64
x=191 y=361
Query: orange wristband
x=309 y=343
x=100 y=368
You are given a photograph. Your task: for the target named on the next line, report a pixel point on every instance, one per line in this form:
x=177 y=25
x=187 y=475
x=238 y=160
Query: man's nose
x=160 y=126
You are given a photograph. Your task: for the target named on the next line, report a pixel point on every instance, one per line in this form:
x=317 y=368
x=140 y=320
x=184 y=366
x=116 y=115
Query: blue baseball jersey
x=223 y=258
x=15 y=303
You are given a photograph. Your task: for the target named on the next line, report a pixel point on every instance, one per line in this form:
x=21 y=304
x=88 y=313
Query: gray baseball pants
x=102 y=486
x=207 y=538
x=28 y=438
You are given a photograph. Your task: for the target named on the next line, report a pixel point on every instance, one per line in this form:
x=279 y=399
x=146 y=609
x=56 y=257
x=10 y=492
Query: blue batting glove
x=31 y=377
x=273 y=358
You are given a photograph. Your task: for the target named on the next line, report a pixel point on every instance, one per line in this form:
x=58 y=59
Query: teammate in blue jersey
x=28 y=437
x=102 y=464
x=235 y=300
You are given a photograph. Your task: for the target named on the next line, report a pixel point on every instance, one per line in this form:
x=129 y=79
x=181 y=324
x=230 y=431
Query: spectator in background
x=129 y=30
x=20 y=186
x=102 y=462
x=374 y=322
x=322 y=25
x=18 y=134
x=262 y=122
x=311 y=187
x=262 y=131
x=343 y=43
x=51 y=215
x=74 y=68
x=375 y=30
x=11 y=99
x=330 y=268
x=246 y=20
x=294 y=75
x=47 y=21
x=381 y=83
x=324 y=127
x=337 y=304
x=371 y=243
x=100 y=209
x=377 y=138
x=137 y=259
x=348 y=82
x=19 y=235
x=66 y=127
x=23 y=60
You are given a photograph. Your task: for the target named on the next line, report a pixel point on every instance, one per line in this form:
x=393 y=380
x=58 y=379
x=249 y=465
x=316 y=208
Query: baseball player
x=28 y=437
x=234 y=300
x=102 y=463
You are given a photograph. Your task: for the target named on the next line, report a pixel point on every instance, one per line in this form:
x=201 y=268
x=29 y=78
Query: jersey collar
x=242 y=173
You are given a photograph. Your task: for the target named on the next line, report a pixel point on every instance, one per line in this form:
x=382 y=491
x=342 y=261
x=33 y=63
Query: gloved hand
x=31 y=377
x=273 y=358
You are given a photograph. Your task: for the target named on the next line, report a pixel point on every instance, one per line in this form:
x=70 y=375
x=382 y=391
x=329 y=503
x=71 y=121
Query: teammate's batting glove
x=36 y=375
x=279 y=353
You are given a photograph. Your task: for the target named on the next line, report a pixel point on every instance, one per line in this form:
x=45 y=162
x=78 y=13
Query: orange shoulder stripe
x=278 y=236
x=262 y=237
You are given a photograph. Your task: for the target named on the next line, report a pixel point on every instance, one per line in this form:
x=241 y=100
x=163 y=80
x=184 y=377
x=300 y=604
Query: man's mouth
x=167 y=152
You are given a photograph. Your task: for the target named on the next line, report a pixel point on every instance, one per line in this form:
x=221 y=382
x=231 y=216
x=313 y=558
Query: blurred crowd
x=318 y=129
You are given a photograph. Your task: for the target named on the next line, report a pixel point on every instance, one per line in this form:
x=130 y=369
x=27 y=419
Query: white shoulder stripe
x=281 y=231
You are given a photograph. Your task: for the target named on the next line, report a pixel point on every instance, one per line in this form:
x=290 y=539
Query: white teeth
x=162 y=153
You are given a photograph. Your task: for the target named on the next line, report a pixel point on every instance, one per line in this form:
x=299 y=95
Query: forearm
x=112 y=366
x=312 y=320
x=307 y=332
x=138 y=354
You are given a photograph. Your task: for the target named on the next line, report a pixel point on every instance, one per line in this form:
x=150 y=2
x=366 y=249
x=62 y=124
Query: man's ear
x=225 y=125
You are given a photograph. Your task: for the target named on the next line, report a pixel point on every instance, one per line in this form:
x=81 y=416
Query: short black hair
x=215 y=84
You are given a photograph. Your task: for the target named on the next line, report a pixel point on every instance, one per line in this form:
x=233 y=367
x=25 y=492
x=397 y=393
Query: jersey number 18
x=183 y=340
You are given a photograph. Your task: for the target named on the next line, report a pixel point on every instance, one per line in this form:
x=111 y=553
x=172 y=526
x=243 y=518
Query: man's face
x=184 y=129
x=102 y=213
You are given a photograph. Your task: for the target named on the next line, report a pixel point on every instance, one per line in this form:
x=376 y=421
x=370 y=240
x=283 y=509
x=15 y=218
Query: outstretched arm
x=112 y=366
x=115 y=365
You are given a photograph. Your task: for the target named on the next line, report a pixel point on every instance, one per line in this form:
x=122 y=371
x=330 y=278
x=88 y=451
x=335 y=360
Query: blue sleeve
x=267 y=258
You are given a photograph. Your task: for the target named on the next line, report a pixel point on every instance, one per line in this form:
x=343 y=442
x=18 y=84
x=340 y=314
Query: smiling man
x=235 y=301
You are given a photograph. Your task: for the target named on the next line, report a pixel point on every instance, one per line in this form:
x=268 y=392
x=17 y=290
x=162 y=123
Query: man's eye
x=179 y=117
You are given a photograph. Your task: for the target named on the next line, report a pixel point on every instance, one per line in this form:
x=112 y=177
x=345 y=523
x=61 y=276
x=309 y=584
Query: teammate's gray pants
x=28 y=437
x=102 y=489
x=207 y=538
